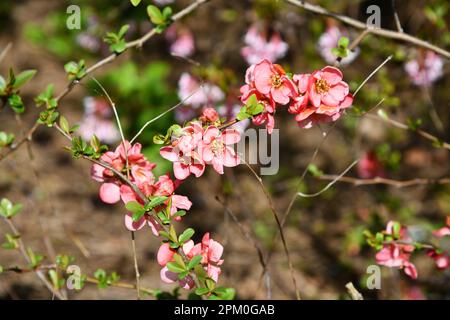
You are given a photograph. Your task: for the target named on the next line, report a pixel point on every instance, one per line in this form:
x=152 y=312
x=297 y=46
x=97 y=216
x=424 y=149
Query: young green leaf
x=155 y=15
x=194 y=261
x=23 y=78
x=135 y=2
x=186 y=235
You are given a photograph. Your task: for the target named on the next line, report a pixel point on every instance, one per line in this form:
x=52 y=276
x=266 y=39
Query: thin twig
x=328 y=186
x=355 y=294
x=385 y=33
x=5 y=51
x=279 y=226
x=385 y=181
x=403 y=126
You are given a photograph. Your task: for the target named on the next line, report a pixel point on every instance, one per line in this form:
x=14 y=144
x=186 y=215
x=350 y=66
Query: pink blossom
x=98 y=121
x=210 y=250
x=397 y=255
x=426 y=69
x=271 y=81
x=191 y=92
x=183 y=43
x=327 y=92
x=329 y=40
x=370 y=167
x=258 y=48
x=139 y=167
x=210 y=115
x=216 y=149
x=186 y=160
x=441 y=260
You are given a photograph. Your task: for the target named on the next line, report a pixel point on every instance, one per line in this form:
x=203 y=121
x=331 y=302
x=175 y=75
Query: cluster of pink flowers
x=426 y=69
x=317 y=97
x=194 y=146
x=397 y=253
x=98 y=121
x=210 y=250
x=329 y=40
x=140 y=173
x=258 y=47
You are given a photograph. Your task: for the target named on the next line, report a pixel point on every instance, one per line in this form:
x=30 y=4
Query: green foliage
x=9 y=90
x=105 y=280
x=11 y=242
x=35 y=258
x=314 y=170
x=63 y=261
x=135 y=2
x=252 y=108
x=161 y=19
x=6 y=139
x=8 y=209
x=75 y=70
x=116 y=41
x=49 y=115
x=341 y=51
x=92 y=150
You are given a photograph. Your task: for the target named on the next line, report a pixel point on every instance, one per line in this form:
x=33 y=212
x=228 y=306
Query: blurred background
x=214 y=45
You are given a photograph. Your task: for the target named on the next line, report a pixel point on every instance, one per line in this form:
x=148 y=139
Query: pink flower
x=209 y=115
x=191 y=92
x=210 y=250
x=258 y=48
x=397 y=255
x=426 y=69
x=444 y=231
x=370 y=167
x=186 y=160
x=266 y=118
x=327 y=92
x=216 y=150
x=182 y=42
x=97 y=121
x=441 y=260
x=329 y=40
x=140 y=168
x=271 y=81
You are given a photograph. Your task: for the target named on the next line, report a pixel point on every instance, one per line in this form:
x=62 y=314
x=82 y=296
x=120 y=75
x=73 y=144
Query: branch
x=384 y=33
x=403 y=126
x=138 y=43
x=379 y=180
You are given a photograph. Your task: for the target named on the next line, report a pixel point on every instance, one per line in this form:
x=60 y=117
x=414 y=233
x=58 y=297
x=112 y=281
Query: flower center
x=322 y=86
x=276 y=81
x=217 y=147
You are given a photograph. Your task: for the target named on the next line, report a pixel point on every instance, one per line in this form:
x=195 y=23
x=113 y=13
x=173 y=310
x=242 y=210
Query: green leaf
x=343 y=42
x=135 y=2
x=156 y=201
x=64 y=124
x=179 y=260
x=175 y=267
x=316 y=172
x=15 y=102
x=167 y=13
x=382 y=114
x=223 y=293
x=133 y=206
x=186 y=235
x=123 y=30
x=23 y=78
x=210 y=284
x=183 y=275
x=155 y=15
x=179 y=213
x=54 y=278
x=201 y=291
x=194 y=261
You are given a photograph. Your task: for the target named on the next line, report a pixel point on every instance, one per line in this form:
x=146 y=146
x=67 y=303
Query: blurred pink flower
x=258 y=47
x=98 y=121
x=397 y=255
x=192 y=93
x=426 y=69
x=329 y=40
x=209 y=115
x=183 y=45
x=370 y=167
